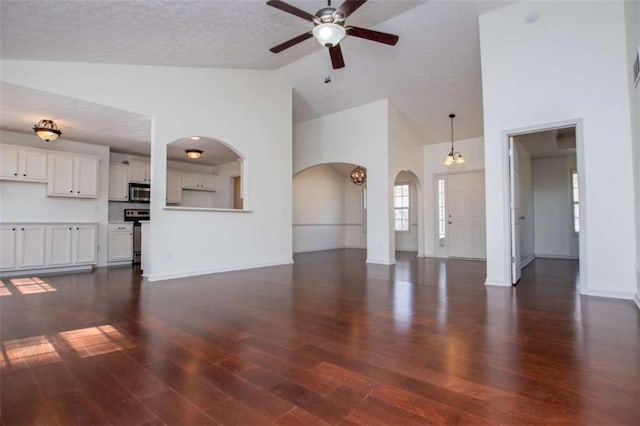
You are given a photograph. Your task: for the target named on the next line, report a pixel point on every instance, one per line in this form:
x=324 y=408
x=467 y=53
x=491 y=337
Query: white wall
x=250 y=110
x=553 y=209
x=357 y=136
x=318 y=209
x=408 y=241
x=28 y=202
x=434 y=156
x=569 y=65
x=527 y=225
x=405 y=154
x=354 y=231
x=632 y=13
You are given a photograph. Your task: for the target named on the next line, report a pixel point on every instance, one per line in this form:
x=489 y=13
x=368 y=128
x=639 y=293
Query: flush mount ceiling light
x=194 y=154
x=453 y=156
x=47 y=130
x=358 y=175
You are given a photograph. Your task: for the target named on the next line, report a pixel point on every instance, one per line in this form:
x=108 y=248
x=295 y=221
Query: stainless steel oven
x=139 y=192
x=135 y=216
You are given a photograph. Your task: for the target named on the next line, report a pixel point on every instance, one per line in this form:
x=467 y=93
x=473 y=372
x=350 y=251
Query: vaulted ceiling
x=432 y=71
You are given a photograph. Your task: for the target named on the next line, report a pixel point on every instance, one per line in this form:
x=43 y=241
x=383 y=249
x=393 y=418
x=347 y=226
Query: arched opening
x=203 y=172
x=407 y=213
x=329 y=209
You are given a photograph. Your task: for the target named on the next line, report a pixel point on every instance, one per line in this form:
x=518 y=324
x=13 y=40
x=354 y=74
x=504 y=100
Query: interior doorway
x=237 y=192
x=545 y=202
x=407 y=217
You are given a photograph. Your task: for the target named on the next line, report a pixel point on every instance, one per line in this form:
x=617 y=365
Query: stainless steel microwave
x=139 y=192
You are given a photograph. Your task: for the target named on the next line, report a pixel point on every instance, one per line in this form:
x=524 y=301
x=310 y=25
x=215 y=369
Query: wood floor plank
x=327 y=340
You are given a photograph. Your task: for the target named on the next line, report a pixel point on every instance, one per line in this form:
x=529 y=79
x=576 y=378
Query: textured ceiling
x=432 y=71
x=79 y=120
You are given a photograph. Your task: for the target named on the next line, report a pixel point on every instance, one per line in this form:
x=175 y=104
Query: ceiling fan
x=329 y=28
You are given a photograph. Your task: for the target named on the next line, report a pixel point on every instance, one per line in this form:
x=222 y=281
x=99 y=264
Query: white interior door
x=466 y=215
x=514 y=181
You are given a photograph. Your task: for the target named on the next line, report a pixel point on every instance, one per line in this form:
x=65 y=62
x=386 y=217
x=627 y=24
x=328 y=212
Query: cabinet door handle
x=70 y=229
x=77 y=229
x=24 y=174
x=130 y=233
x=71 y=191
x=22 y=229
x=121 y=227
x=13 y=229
x=78 y=192
x=15 y=174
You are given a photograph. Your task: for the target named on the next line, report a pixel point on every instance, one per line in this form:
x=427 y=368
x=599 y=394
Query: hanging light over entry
x=453 y=156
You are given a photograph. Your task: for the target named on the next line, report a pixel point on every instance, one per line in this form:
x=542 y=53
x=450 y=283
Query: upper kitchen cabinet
x=29 y=165
x=118 y=182
x=139 y=172
x=200 y=182
x=73 y=175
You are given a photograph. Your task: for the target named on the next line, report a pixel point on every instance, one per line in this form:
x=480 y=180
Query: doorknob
x=450 y=222
x=521 y=218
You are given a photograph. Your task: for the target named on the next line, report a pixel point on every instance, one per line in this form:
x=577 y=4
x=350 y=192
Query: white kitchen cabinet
x=8 y=237
x=23 y=164
x=174 y=188
x=85 y=244
x=199 y=182
x=30 y=244
x=59 y=239
x=118 y=182
x=73 y=176
x=71 y=244
x=120 y=242
x=139 y=172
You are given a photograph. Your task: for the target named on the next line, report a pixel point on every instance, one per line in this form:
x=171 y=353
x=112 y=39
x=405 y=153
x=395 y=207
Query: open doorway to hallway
x=406 y=215
x=545 y=197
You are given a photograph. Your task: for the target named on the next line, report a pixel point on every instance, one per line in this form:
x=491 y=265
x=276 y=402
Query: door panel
x=466 y=215
x=514 y=182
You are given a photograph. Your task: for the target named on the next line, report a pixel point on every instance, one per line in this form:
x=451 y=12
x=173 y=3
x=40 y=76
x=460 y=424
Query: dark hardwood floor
x=328 y=340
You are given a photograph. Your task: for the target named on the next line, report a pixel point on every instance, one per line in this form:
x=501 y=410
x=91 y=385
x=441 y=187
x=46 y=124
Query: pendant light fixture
x=47 y=130
x=193 y=154
x=358 y=175
x=453 y=156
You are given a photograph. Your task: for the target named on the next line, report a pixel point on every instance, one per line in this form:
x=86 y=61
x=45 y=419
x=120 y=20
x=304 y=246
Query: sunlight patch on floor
x=32 y=285
x=30 y=351
x=94 y=341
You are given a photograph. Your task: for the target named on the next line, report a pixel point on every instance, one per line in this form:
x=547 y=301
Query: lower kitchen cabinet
x=120 y=242
x=47 y=245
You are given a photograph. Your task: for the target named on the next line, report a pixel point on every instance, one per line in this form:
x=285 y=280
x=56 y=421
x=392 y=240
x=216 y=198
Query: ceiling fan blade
x=372 y=35
x=336 y=57
x=350 y=6
x=287 y=44
x=291 y=9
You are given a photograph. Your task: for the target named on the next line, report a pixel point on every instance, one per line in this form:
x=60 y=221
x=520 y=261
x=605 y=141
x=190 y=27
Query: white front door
x=514 y=181
x=466 y=215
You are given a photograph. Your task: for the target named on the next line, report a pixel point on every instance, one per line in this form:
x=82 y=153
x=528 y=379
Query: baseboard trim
x=497 y=283
x=608 y=293
x=46 y=271
x=381 y=262
x=555 y=256
x=162 y=277
x=528 y=261
x=637 y=300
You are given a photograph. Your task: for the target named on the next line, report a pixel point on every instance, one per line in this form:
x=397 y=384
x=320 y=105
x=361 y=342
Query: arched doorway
x=407 y=204
x=329 y=210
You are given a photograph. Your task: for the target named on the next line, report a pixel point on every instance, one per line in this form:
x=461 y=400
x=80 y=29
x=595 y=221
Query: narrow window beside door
x=575 y=195
x=401 y=206
x=441 y=210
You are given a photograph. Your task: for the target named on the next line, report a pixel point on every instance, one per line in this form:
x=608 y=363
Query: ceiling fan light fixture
x=193 y=154
x=47 y=130
x=329 y=34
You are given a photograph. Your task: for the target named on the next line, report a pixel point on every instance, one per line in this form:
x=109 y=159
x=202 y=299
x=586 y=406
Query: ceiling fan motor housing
x=329 y=15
